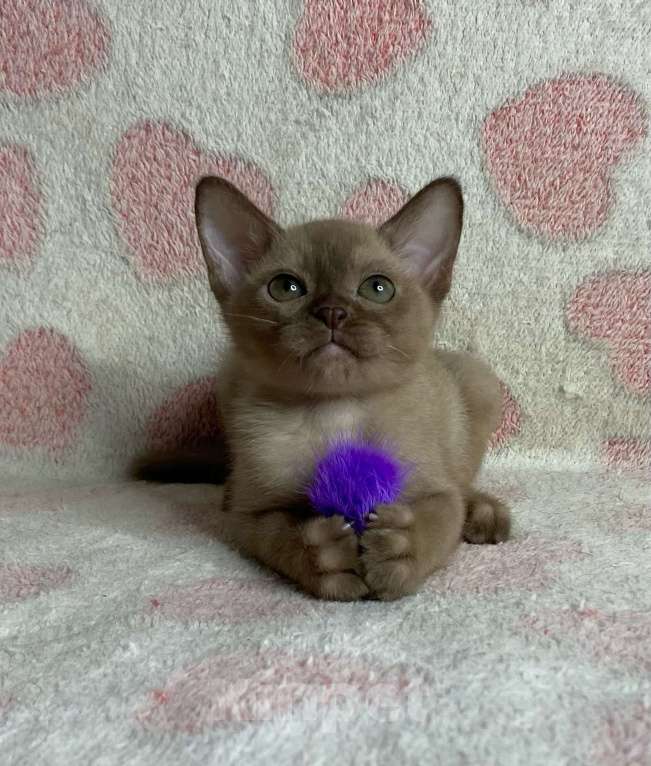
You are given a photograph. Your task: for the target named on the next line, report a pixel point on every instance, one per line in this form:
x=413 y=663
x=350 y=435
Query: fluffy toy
x=352 y=478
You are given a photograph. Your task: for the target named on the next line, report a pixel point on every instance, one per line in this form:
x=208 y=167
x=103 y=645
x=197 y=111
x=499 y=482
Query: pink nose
x=331 y=316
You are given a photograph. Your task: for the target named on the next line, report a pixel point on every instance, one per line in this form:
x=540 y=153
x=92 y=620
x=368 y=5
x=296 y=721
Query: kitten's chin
x=328 y=353
x=329 y=370
x=336 y=370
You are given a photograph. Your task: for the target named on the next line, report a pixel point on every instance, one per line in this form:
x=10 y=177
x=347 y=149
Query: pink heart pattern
x=374 y=202
x=634 y=517
x=621 y=636
x=530 y=564
x=20 y=206
x=511 y=420
x=550 y=152
x=624 y=735
x=187 y=418
x=242 y=688
x=227 y=600
x=155 y=171
x=615 y=309
x=49 y=46
x=6 y=705
x=44 y=388
x=627 y=453
x=339 y=45
x=18 y=582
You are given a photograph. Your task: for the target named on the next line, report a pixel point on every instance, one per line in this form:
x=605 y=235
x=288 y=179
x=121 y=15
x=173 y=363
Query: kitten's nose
x=331 y=316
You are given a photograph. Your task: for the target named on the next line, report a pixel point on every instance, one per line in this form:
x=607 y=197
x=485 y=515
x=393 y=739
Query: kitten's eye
x=285 y=287
x=377 y=288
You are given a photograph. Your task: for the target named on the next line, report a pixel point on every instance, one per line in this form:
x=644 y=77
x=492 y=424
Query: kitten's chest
x=281 y=444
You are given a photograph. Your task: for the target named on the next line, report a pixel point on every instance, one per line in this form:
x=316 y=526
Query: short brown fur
x=291 y=383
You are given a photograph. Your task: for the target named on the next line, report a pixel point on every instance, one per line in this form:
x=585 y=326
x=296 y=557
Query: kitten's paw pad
x=488 y=520
x=332 y=560
x=388 y=559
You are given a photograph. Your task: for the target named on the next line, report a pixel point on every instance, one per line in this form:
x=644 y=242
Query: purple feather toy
x=352 y=478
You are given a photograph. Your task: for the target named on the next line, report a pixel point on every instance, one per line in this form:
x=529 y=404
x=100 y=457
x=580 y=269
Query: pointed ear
x=233 y=233
x=426 y=233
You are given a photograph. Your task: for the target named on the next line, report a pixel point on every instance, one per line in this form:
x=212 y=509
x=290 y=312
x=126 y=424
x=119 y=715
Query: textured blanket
x=128 y=633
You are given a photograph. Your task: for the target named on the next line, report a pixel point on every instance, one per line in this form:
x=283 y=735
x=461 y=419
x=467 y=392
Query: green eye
x=377 y=288
x=285 y=287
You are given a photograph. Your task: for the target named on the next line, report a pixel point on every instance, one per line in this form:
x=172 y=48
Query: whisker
x=249 y=316
x=399 y=350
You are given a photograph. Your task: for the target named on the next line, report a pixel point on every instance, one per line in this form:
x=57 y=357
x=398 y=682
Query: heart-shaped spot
x=227 y=600
x=628 y=454
x=341 y=44
x=374 y=202
x=155 y=171
x=530 y=564
x=20 y=206
x=44 y=387
x=18 y=583
x=615 y=309
x=606 y=636
x=186 y=419
x=6 y=704
x=511 y=420
x=227 y=690
x=623 y=735
x=50 y=46
x=629 y=517
x=551 y=152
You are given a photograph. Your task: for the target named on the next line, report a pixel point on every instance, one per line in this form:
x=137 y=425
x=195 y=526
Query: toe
x=322 y=530
x=391 y=517
x=487 y=521
x=383 y=544
x=391 y=580
x=337 y=557
x=342 y=586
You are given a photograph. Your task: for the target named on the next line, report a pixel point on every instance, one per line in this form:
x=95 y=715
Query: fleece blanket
x=128 y=633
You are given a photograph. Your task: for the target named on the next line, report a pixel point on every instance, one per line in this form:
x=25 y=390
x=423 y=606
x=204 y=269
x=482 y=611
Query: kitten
x=331 y=325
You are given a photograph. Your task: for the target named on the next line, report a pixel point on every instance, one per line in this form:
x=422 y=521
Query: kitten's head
x=329 y=307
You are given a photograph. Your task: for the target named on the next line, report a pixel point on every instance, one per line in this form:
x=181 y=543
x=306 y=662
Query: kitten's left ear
x=426 y=233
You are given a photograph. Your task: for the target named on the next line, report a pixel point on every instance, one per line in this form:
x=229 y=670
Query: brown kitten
x=332 y=324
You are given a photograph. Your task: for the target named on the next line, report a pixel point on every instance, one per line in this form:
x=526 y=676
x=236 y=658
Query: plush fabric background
x=112 y=111
x=128 y=634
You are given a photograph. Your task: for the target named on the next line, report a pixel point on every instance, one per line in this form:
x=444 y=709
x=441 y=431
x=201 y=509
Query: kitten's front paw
x=332 y=568
x=488 y=520
x=389 y=555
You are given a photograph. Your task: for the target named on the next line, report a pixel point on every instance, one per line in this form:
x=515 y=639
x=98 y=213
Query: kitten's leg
x=404 y=544
x=488 y=520
x=482 y=396
x=320 y=554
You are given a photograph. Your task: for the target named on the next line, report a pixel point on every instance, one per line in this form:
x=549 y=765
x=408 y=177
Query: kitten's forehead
x=334 y=244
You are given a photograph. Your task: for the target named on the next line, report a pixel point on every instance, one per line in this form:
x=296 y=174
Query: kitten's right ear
x=233 y=233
